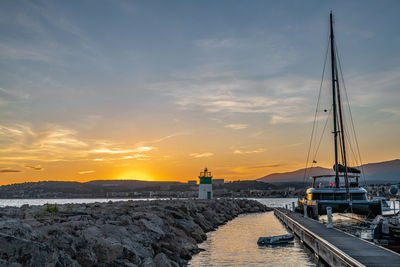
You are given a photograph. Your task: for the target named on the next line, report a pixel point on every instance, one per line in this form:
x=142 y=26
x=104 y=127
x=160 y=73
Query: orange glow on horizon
x=134 y=175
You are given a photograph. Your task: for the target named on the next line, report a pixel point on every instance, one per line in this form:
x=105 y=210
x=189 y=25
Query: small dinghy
x=275 y=240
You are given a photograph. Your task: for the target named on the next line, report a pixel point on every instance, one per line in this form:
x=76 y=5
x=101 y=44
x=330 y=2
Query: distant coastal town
x=144 y=189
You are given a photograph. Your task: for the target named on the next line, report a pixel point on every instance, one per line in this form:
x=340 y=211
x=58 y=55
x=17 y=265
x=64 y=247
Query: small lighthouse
x=205 y=186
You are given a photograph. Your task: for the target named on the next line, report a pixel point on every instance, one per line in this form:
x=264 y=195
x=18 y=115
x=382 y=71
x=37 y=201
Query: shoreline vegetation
x=125 y=233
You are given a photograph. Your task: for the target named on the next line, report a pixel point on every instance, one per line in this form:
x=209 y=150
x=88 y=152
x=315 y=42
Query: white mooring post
x=329 y=214
x=293 y=209
x=305 y=210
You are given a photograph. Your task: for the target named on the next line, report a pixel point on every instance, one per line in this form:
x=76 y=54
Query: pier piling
x=329 y=214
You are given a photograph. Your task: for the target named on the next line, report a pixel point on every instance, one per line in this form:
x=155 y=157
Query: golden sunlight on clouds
x=236 y=126
x=134 y=175
x=202 y=155
x=8 y=170
x=36 y=167
x=110 y=151
x=86 y=172
x=143 y=149
x=137 y=156
x=121 y=151
x=249 y=151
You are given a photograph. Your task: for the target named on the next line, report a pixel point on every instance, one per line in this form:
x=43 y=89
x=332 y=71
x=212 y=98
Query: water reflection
x=235 y=244
x=42 y=201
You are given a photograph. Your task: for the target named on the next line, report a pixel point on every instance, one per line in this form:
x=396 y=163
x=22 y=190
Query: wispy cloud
x=202 y=155
x=7 y=95
x=143 y=148
x=127 y=6
x=7 y=170
x=285 y=99
x=266 y=166
x=64 y=137
x=120 y=150
x=393 y=111
x=49 y=143
x=243 y=152
x=137 y=156
x=36 y=167
x=86 y=172
x=111 y=151
x=221 y=43
x=236 y=126
x=21 y=142
x=275 y=119
x=364 y=92
x=163 y=138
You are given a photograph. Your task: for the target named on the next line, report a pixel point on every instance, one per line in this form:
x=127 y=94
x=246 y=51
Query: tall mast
x=335 y=132
x=346 y=178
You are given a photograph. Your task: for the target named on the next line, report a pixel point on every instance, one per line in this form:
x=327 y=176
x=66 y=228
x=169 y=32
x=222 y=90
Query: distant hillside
x=129 y=184
x=294 y=175
x=386 y=171
x=381 y=172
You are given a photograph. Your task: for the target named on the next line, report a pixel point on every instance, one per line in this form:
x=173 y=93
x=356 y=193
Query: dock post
x=293 y=207
x=329 y=213
x=305 y=210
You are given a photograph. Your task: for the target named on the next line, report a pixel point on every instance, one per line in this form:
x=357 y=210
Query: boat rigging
x=350 y=197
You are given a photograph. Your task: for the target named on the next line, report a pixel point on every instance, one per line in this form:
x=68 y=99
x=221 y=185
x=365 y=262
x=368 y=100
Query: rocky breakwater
x=130 y=233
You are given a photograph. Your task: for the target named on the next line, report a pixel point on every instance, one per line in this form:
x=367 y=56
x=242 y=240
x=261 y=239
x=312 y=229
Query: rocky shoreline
x=128 y=233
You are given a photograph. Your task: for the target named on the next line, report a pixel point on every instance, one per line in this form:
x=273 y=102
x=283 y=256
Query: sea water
x=235 y=243
x=39 y=201
x=270 y=202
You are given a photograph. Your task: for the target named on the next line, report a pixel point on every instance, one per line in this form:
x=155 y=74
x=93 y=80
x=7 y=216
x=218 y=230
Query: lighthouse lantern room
x=205 y=186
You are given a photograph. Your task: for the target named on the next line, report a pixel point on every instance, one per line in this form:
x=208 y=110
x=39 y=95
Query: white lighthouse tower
x=205 y=186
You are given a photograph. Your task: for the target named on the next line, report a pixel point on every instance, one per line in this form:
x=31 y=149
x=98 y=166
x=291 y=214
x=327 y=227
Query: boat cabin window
x=358 y=196
x=340 y=196
x=326 y=196
x=335 y=196
x=321 y=196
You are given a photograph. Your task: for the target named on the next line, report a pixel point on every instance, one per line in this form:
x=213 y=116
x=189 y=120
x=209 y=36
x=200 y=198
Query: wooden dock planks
x=334 y=246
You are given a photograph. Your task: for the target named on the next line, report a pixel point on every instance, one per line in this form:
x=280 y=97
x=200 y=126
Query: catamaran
x=340 y=191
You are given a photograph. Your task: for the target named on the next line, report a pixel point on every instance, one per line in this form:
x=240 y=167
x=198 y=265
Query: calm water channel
x=235 y=244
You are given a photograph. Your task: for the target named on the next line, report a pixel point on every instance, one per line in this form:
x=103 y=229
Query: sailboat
x=343 y=193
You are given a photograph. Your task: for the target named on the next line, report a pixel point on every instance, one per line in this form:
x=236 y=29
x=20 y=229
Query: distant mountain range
x=381 y=172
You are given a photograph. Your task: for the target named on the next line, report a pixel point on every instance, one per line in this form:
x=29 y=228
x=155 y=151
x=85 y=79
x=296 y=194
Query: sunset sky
x=158 y=90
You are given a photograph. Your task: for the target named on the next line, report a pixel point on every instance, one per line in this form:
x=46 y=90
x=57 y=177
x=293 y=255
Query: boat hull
x=275 y=240
x=318 y=207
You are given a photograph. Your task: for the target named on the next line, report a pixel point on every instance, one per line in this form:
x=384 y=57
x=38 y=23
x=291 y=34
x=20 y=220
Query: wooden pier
x=336 y=247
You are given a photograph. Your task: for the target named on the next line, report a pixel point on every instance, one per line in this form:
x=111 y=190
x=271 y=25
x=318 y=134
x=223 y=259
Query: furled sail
x=341 y=168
